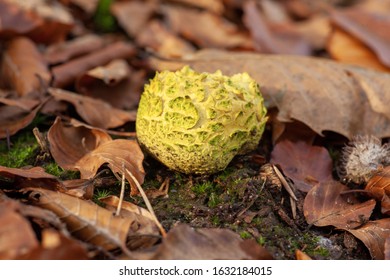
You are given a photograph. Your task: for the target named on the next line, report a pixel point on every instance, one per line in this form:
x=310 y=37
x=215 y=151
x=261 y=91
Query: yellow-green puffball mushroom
x=197 y=122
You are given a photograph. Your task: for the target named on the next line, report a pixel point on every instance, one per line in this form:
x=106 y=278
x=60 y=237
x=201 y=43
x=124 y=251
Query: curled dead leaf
x=379 y=188
x=23 y=67
x=206 y=29
x=374 y=235
x=56 y=246
x=124 y=84
x=86 y=150
x=325 y=205
x=92 y=223
x=17 y=235
x=186 y=243
x=371 y=28
x=96 y=112
x=65 y=74
x=305 y=164
x=31 y=177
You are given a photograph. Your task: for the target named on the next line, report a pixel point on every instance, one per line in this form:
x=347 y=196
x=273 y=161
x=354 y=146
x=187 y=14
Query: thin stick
x=147 y=202
x=284 y=183
x=122 y=194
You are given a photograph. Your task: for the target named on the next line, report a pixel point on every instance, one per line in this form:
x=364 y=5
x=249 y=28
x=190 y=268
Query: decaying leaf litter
x=75 y=73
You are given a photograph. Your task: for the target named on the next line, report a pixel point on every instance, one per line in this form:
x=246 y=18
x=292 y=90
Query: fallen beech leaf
x=315 y=30
x=87 y=5
x=302 y=256
x=325 y=205
x=379 y=184
x=346 y=48
x=387 y=248
x=370 y=28
x=307 y=89
x=16 y=234
x=161 y=40
x=124 y=84
x=13 y=119
x=23 y=67
x=65 y=74
x=96 y=112
x=40 y=20
x=31 y=177
x=86 y=150
x=186 y=243
x=374 y=234
x=272 y=41
x=64 y=51
x=216 y=6
x=56 y=246
x=92 y=223
x=133 y=16
x=112 y=202
x=25 y=102
x=81 y=188
x=379 y=188
x=305 y=164
x=68 y=144
x=205 y=29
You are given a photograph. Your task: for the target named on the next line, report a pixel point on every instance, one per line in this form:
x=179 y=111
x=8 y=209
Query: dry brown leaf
x=374 y=234
x=379 y=184
x=387 y=248
x=186 y=243
x=325 y=205
x=305 y=164
x=133 y=15
x=68 y=144
x=302 y=256
x=162 y=41
x=215 y=6
x=122 y=82
x=315 y=30
x=206 y=29
x=92 y=223
x=16 y=234
x=64 y=51
x=371 y=28
x=276 y=40
x=346 y=48
x=324 y=95
x=56 y=246
x=112 y=202
x=23 y=67
x=87 y=5
x=13 y=119
x=31 y=177
x=65 y=74
x=41 y=20
x=95 y=112
x=86 y=150
x=379 y=188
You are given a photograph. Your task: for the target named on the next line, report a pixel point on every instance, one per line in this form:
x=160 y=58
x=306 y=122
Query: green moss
x=245 y=235
x=203 y=188
x=22 y=152
x=54 y=169
x=261 y=240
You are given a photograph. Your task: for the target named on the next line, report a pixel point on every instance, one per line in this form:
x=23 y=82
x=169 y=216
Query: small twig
x=293 y=204
x=284 y=183
x=41 y=140
x=147 y=202
x=122 y=194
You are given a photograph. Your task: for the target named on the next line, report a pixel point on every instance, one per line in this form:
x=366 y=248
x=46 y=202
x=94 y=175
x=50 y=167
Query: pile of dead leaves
x=84 y=65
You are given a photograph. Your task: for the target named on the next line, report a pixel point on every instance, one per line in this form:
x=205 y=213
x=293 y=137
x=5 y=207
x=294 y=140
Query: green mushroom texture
x=196 y=123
